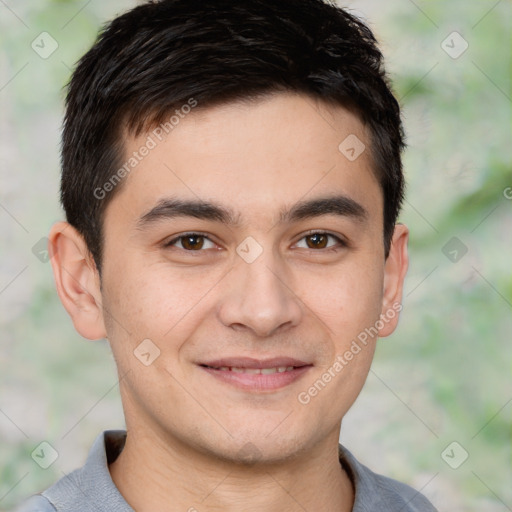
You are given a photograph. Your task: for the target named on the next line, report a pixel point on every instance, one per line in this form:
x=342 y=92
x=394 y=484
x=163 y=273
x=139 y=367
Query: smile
x=262 y=371
x=253 y=375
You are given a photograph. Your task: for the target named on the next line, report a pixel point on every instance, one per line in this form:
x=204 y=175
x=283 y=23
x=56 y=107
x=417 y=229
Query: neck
x=168 y=476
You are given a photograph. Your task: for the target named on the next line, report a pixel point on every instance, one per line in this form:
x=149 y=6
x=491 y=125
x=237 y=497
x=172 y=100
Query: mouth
x=257 y=375
x=255 y=371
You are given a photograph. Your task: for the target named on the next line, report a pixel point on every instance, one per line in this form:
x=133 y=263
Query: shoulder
x=65 y=495
x=399 y=494
x=87 y=489
x=36 y=503
x=378 y=492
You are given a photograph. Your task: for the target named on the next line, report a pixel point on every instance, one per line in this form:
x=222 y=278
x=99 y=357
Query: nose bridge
x=259 y=298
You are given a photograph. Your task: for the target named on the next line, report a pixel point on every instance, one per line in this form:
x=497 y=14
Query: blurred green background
x=443 y=377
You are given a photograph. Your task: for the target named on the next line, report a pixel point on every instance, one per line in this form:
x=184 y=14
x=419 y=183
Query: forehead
x=252 y=157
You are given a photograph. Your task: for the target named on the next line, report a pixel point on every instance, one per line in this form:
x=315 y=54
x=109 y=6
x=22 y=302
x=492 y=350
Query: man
x=231 y=178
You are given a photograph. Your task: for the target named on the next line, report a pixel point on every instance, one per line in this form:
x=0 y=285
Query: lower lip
x=258 y=381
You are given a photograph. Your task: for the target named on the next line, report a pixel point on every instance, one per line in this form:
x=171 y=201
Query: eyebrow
x=170 y=208
x=339 y=205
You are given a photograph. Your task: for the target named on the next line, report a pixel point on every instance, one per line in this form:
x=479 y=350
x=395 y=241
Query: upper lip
x=249 y=362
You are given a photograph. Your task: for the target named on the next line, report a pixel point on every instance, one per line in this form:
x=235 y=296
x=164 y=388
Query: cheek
x=348 y=302
x=347 y=299
x=156 y=303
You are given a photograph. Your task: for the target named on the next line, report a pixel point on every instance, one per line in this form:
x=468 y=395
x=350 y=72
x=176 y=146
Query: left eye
x=191 y=242
x=319 y=241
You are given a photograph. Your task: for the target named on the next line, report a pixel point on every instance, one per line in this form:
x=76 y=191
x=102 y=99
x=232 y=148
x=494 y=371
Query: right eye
x=192 y=242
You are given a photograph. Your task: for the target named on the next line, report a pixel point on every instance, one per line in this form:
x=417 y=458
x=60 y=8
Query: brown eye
x=321 y=240
x=317 y=241
x=192 y=242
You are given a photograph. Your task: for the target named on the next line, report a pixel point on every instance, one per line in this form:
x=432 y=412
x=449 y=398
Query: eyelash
x=340 y=242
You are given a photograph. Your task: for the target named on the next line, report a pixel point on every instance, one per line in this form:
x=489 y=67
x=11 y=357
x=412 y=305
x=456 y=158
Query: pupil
x=317 y=240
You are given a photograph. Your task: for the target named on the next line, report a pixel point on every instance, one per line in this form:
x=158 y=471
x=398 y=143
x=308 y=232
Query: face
x=245 y=252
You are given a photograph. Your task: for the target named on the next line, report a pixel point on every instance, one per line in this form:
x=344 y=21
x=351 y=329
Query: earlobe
x=394 y=275
x=77 y=280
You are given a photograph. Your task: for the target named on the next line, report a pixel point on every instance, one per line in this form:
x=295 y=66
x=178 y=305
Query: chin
x=249 y=446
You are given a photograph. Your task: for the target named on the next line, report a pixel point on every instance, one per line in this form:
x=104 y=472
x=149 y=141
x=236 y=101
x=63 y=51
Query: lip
x=255 y=382
x=251 y=363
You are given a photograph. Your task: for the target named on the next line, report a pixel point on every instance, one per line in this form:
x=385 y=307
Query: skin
x=188 y=432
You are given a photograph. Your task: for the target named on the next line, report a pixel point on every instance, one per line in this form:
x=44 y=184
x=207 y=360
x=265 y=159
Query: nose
x=259 y=299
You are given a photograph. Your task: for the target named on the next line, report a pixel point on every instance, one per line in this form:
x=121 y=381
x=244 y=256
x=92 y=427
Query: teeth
x=261 y=371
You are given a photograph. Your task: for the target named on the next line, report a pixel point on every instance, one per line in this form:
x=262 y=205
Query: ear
x=395 y=269
x=77 y=280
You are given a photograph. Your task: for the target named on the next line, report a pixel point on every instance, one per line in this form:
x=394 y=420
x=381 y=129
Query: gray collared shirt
x=91 y=489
